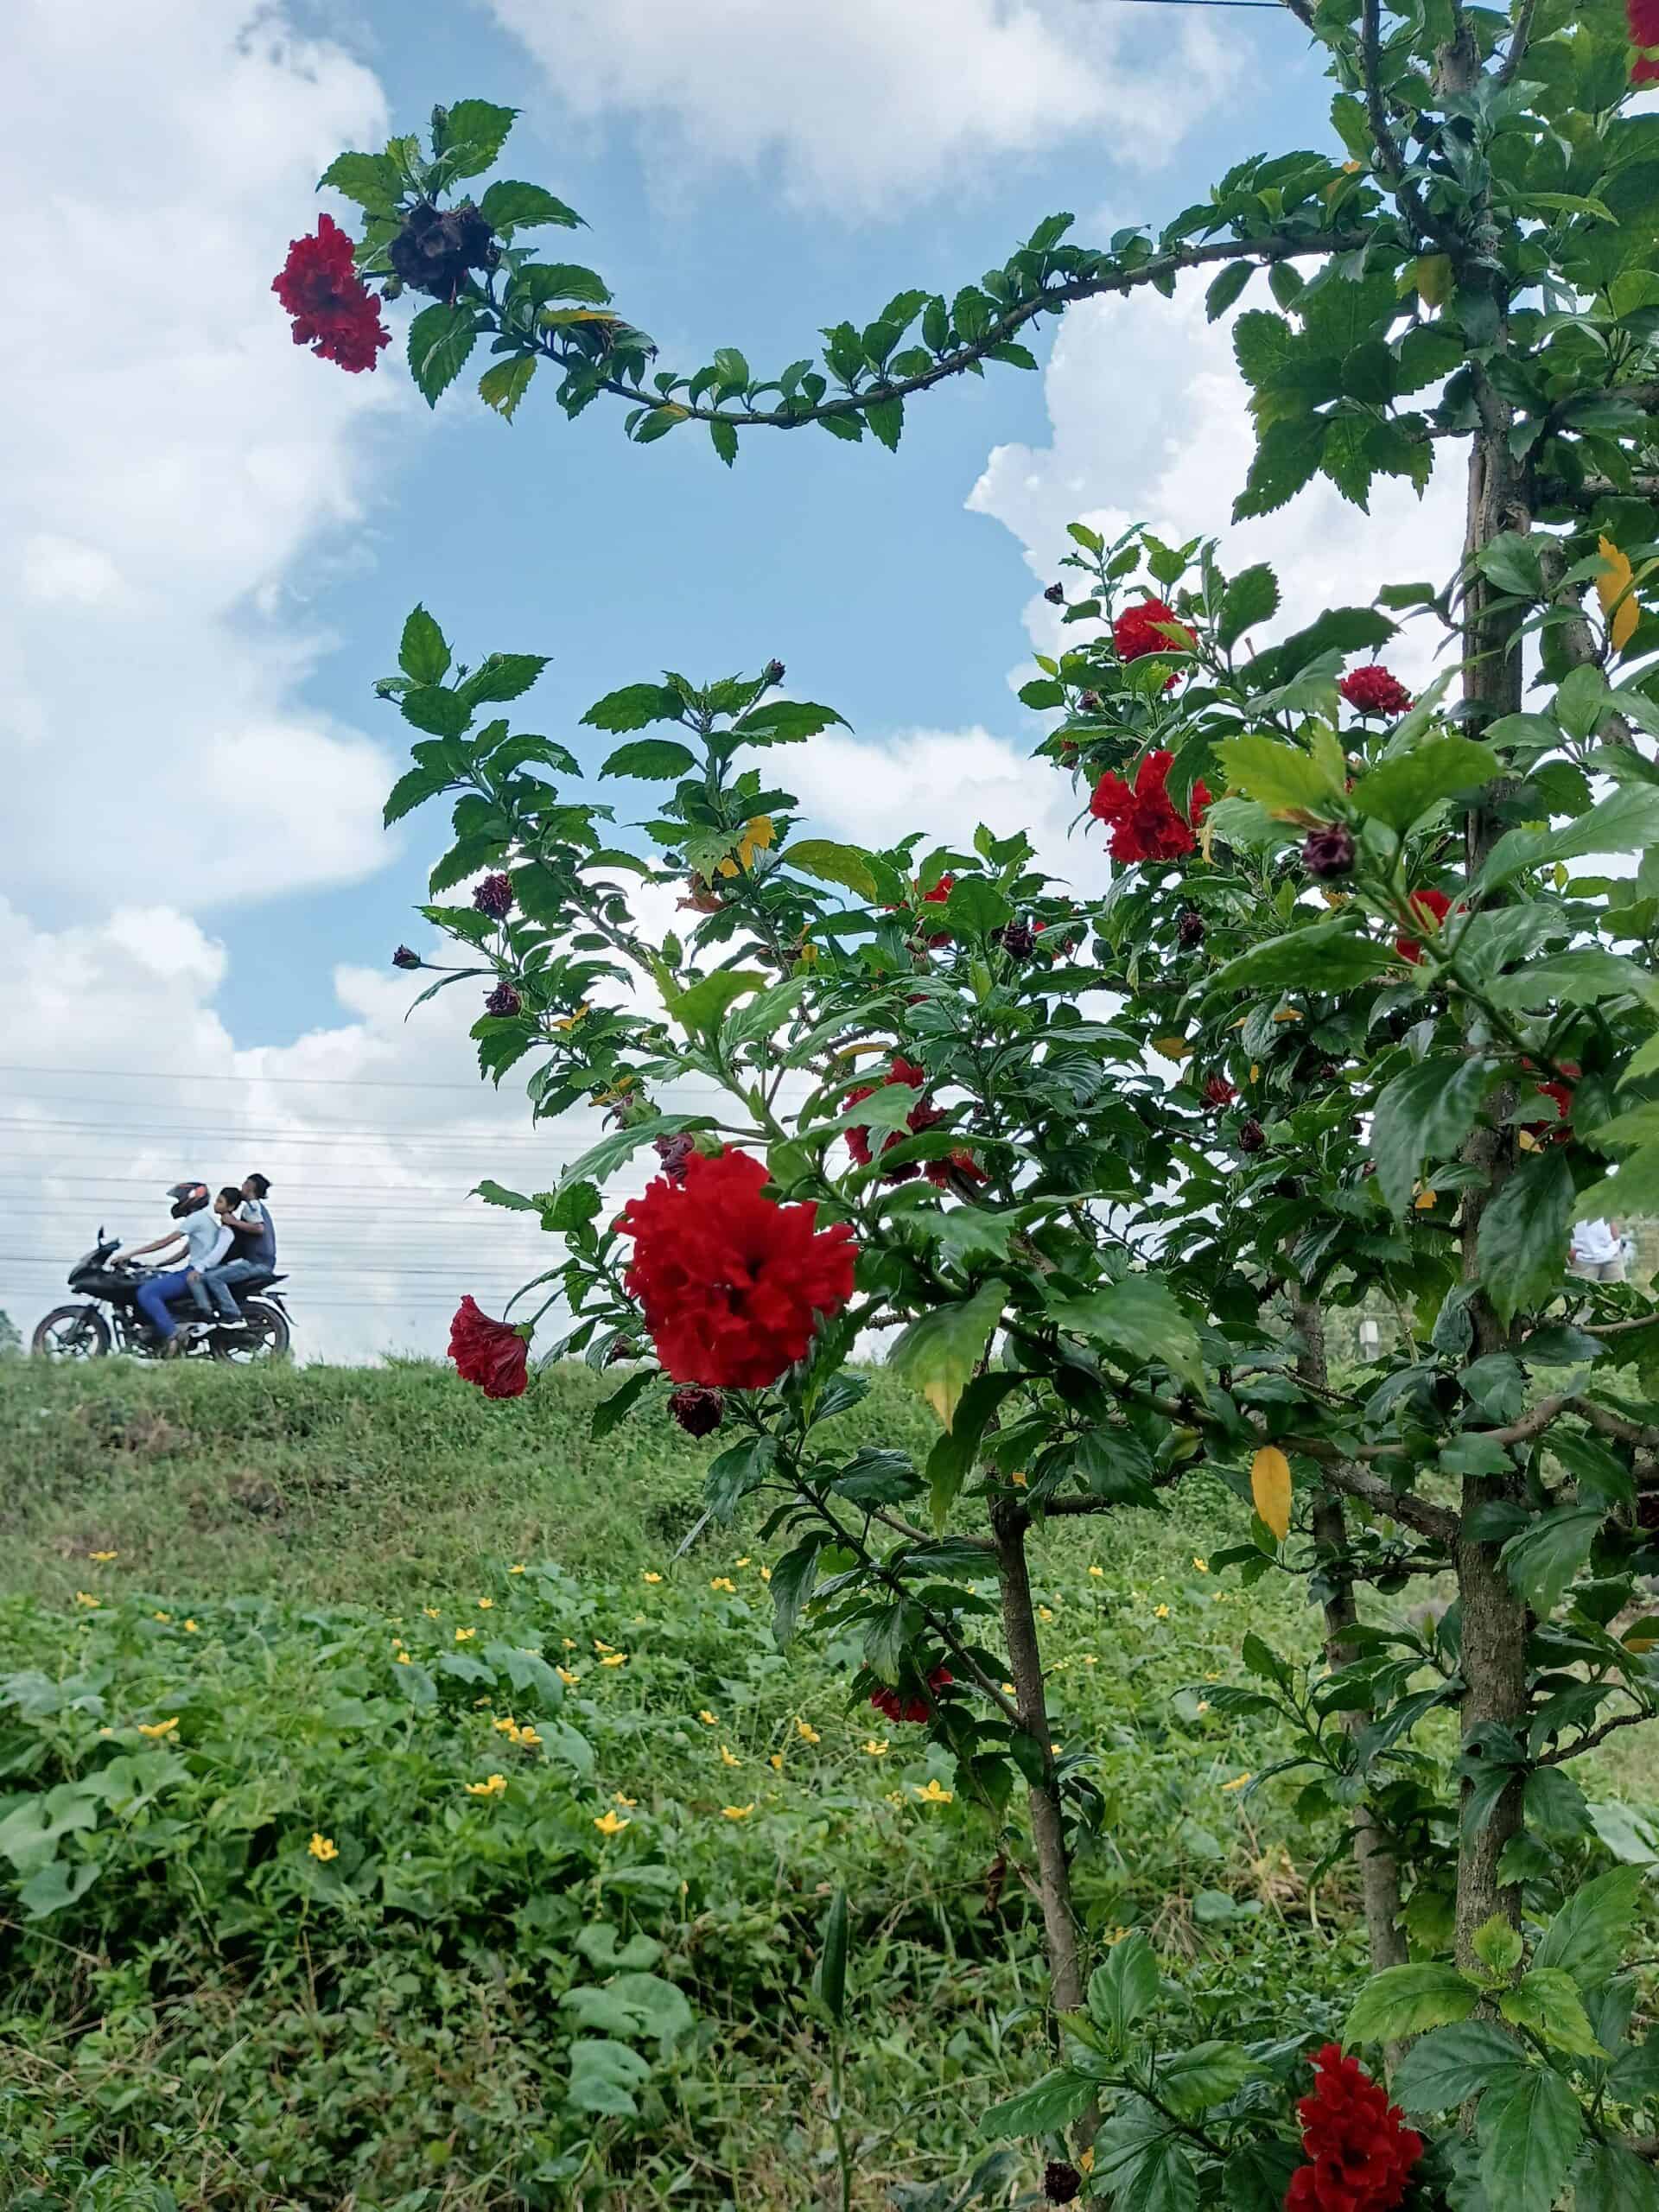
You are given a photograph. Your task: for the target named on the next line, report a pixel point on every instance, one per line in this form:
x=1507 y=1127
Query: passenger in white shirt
x=1596 y=1254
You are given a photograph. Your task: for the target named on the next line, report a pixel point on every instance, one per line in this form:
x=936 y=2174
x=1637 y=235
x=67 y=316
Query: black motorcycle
x=85 y=1331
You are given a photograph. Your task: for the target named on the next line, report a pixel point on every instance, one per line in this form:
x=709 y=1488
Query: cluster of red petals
x=1374 y=690
x=1141 y=629
x=492 y=1354
x=937 y=897
x=1643 y=16
x=922 y=1115
x=334 y=312
x=1433 y=906
x=1217 y=1091
x=1561 y=1131
x=899 y=1706
x=1360 y=2149
x=1144 y=824
x=732 y=1283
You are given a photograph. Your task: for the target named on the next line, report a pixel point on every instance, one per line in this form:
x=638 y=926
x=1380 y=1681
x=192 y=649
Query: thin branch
x=898 y=1524
x=1519 y=38
x=1266 y=250
x=1389 y=159
x=1587 y=1743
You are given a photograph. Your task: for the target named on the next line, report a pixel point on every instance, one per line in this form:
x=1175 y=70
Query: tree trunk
x=1060 y=1930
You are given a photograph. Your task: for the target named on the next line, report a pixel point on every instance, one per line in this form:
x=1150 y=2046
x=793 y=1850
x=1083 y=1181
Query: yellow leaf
x=1432 y=273
x=1425 y=1202
x=1270 y=1489
x=1172 y=1048
x=1613 y=589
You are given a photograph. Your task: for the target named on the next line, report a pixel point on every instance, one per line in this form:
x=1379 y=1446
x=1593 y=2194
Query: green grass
x=195 y=2010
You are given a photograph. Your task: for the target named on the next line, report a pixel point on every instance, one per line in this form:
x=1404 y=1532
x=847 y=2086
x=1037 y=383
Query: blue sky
x=211 y=538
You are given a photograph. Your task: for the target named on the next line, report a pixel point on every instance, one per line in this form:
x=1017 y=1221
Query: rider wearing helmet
x=200 y=1241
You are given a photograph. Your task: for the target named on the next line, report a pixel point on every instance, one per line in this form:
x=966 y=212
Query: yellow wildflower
x=1161 y=1612
x=930 y=1793
x=728 y=1757
x=506 y=1724
x=161 y=1616
x=102 y=1558
x=776 y=1760
x=766 y=1574
x=486 y=1604
x=527 y=1738
x=874 y=1747
x=85 y=1598
x=431 y=1612
x=1237 y=1782
x=155 y=1728
x=1212 y=1677
x=629 y=1801
x=515 y=1570
x=1202 y=1565
x=322 y=1846
x=190 y=1627
x=616 y=1659
x=649 y=1577
x=465 y=1634
x=568 y=1643
x=1090 y=1660
x=723 y=1582
x=708 y=1719
x=895 y=1797
x=807 y=1732
x=609 y=1823
x=492 y=1786
x=404 y=1659
x=567 y=1677
x=736 y=1812
x=1202 y=1705
x=1099 y=1573
x=599 y=1646
x=1043 y=1614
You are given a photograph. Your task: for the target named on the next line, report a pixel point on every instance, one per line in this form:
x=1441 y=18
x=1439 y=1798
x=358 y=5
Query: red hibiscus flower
x=1145 y=825
x=937 y=897
x=1645 y=70
x=1373 y=690
x=1433 y=906
x=1360 y=2149
x=1217 y=1091
x=901 y=1705
x=334 y=312
x=921 y=1116
x=492 y=1354
x=1141 y=629
x=1643 y=16
x=733 y=1284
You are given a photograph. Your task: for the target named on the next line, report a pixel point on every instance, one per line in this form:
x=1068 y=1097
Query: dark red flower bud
x=699 y=1412
x=904 y=1704
x=1088 y=703
x=1189 y=928
x=494 y=897
x=1018 y=939
x=1061 y=2182
x=1328 y=850
x=674 y=1152
x=772 y=672
x=404 y=958
x=437 y=246
x=1217 y=1091
x=1252 y=1137
x=504 y=1000
x=493 y=1354
x=1055 y=594
x=1069 y=755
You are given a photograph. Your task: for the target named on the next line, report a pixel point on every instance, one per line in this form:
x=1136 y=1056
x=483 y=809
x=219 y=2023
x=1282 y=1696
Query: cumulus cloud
x=1150 y=424
x=171 y=462
x=863 y=105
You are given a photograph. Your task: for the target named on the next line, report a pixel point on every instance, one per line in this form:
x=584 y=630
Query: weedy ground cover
x=389 y=1819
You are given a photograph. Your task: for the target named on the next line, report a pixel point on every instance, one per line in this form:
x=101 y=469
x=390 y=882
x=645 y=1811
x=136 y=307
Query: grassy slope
x=229 y=2021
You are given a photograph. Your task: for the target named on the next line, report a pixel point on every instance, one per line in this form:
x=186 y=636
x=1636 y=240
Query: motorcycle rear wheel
x=266 y=1336
x=71 y=1332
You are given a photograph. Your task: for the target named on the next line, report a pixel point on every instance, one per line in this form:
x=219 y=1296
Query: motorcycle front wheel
x=71 y=1332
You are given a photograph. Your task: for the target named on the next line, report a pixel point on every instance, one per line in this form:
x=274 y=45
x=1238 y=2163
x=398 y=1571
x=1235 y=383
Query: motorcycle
x=111 y=1320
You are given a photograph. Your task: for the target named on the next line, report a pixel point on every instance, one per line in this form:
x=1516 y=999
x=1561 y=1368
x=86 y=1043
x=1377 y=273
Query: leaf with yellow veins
x=1619 y=608
x=1270 y=1489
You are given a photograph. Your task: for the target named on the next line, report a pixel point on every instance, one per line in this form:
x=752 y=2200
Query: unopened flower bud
x=1329 y=850
x=1018 y=939
x=1089 y=702
x=494 y=897
x=504 y=1000
x=772 y=672
x=1252 y=1137
x=674 y=1152
x=698 y=1411
x=1055 y=594
x=1061 y=2182
x=404 y=958
x=1189 y=928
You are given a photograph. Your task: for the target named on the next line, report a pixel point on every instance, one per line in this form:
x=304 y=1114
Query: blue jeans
x=152 y=1301
x=219 y=1281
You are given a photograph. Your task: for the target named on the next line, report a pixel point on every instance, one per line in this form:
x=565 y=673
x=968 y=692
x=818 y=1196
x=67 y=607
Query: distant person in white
x=1598 y=1254
x=247 y=1218
x=200 y=1240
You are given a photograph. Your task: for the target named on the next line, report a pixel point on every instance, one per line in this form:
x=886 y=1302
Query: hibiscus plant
x=1366 y=1021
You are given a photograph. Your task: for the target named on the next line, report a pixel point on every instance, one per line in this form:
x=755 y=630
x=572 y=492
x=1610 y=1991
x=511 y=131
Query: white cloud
x=1151 y=425
x=945 y=783
x=863 y=105
x=171 y=460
